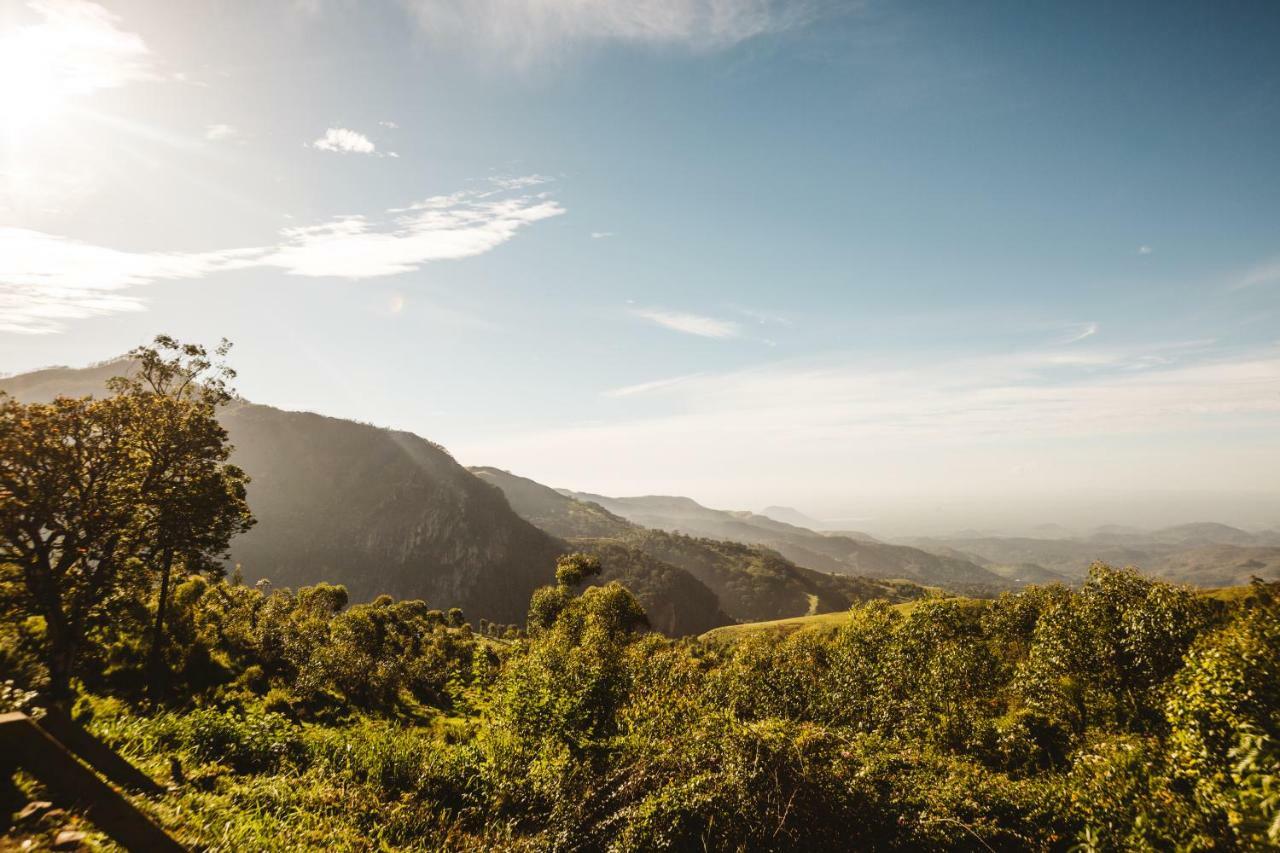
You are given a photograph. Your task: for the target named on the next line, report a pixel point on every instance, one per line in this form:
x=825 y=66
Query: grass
x=1229 y=594
x=820 y=622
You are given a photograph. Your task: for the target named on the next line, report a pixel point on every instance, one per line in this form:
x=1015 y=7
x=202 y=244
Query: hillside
x=750 y=582
x=383 y=511
x=552 y=511
x=756 y=583
x=1219 y=565
x=833 y=553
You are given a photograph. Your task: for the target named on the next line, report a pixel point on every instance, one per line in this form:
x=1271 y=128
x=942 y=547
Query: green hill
x=832 y=553
x=750 y=582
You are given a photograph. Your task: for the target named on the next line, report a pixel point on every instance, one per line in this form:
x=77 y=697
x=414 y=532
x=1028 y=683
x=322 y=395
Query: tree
x=71 y=515
x=194 y=499
x=97 y=495
x=573 y=569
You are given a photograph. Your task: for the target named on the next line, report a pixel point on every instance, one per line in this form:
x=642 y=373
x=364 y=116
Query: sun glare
x=75 y=51
x=31 y=89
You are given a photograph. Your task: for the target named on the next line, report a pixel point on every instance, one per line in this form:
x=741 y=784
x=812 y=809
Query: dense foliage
x=98 y=498
x=1127 y=714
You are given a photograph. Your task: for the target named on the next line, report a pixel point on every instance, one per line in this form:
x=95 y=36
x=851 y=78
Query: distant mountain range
x=1203 y=553
x=790 y=515
x=839 y=553
x=751 y=583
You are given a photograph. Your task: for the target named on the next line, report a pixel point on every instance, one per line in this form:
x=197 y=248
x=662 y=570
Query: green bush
x=250 y=742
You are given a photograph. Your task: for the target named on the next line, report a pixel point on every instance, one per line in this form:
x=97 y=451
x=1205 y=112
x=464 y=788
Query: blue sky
x=869 y=259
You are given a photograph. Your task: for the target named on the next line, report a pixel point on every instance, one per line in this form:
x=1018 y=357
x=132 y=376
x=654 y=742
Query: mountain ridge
x=832 y=553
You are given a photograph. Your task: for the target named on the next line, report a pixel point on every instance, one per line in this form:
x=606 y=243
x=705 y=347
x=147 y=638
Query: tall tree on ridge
x=194 y=499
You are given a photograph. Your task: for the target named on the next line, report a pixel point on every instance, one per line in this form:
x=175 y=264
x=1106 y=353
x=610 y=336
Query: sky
x=905 y=266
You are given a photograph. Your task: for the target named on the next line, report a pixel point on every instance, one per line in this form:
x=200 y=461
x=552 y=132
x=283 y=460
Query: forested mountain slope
x=751 y=582
x=824 y=552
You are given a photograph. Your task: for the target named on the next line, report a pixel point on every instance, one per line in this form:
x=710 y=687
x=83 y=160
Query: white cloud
x=1080 y=331
x=439 y=228
x=690 y=324
x=602 y=235
x=522 y=31
x=343 y=140
x=1268 y=273
x=221 y=133
x=389 y=125
x=519 y=183
x=46 y=280
x=1145 y=250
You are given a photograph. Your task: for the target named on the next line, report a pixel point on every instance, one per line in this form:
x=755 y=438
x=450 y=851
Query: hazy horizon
x=890 y=514
x=912 y=267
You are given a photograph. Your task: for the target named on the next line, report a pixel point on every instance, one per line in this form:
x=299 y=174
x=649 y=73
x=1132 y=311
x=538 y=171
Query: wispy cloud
x=344 y=140
x=1079 y=331
x=690 y=324
x=602 y=235
x=46 y=280
x=926 y=422
x=1145 y=250
x=764 y=318
x=1263 y=274
x=521 y=182
x=221 y=133
x=524 y=31
x=460 y=225
x=647 y=387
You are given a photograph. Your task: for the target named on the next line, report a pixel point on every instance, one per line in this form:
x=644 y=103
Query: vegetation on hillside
x=1128 y=714
x=825 y=552
x=749 y=582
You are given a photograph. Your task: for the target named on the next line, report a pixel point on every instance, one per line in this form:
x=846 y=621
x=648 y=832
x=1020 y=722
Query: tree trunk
x=61 y=655
x=59 y=658
x=155 y=665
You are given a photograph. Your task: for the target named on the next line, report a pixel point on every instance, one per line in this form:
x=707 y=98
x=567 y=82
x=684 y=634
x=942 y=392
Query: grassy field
x=822 y=621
